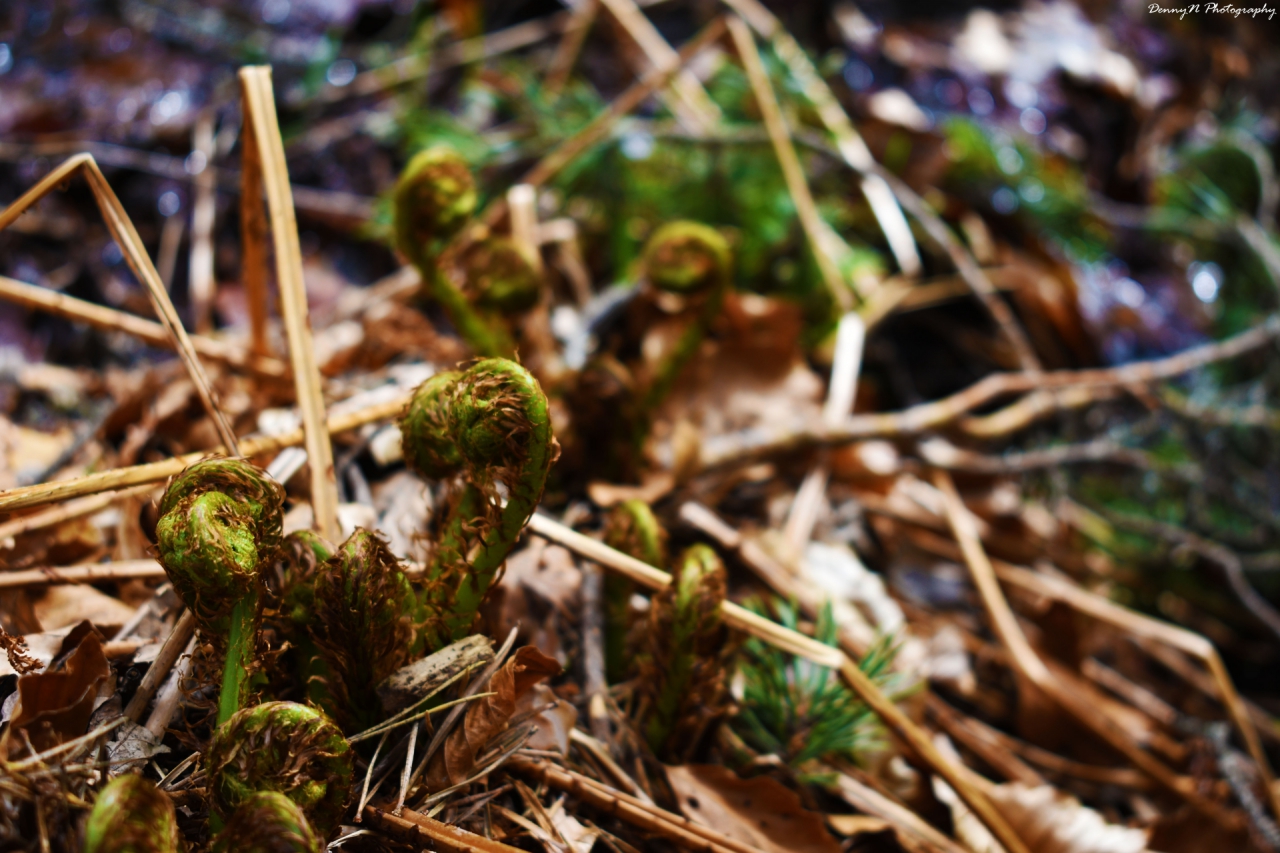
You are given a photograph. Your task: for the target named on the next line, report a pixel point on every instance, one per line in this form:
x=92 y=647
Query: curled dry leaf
x=488 y=716
x=760 y=811
x=55 y=706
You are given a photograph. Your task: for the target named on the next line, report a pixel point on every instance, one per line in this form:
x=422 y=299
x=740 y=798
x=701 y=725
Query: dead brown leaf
x=69 y=604
x=488 y=716
x=760 y=811
x=55 y=706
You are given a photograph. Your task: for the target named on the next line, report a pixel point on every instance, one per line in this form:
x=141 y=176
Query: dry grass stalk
x=691 y=104
x=849 y=143
x=869 y=800
x=575 y=33
x=1035 y=676
x=154 y=472
x=262 y=132
x=66 y=512
x=938 y=413
x=204 y=211
x=638 y=813
x=119 y=570
x=814 y=227
x=522 y=202
x=415 y=828
x=169 y=653
x=111 y=319
x=808 y=648
x=135 y=254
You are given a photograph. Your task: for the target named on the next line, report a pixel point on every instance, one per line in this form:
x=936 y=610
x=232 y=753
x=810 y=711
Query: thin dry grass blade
x=111 y=319
x=814 y=227
x=135 y=253
x=154 y=472
x=691 y=103
x=262 y=132
x=575 y=33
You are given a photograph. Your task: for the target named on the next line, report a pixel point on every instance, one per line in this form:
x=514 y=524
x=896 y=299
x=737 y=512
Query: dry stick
x=815 y=228
x=938 y=413
x=808 y=648
x=842 y=389
x=135 y=253
x=170 y=693
x=89 y=573
x=522 y=202
x=850 y=145
x=177 y=640
x=1032 y=668
x=66 y=512
x=867 y=799
x=636 y=812
x=575 y=33
x=111 y=319
x=692 y=105
x=200 y=281
x=415 y=828
x=262 y=132
x=153 y=472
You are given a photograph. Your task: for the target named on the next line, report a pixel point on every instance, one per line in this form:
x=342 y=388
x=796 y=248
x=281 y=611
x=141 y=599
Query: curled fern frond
x=132 y=815
x=220 y=522
x=487 y=425
x=286 y=747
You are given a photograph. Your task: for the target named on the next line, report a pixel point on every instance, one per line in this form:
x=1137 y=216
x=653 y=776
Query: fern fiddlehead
x=682 y=675
x=632 y=528
x=131 y=815
x=268 y=822
x=285 y=747
x=220 y=521
x=432 y=201
x=362 y=623
x=490 y=424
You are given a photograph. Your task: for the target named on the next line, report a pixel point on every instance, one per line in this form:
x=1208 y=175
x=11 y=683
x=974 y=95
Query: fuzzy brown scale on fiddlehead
x=682 y=680
x=487 y=424
x=363 y=625
x=285 y=747
x=132 y=815
x=268 y=822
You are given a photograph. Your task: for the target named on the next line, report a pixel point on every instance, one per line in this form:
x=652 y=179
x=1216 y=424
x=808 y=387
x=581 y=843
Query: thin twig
x=575 y=33
x=88 y=573
x=938 y=413
x=815 y=229
x=636 y=812
x=415 y=828
x=177 y=640
x=149 y=331
x=154 y=472
x=262 y=131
